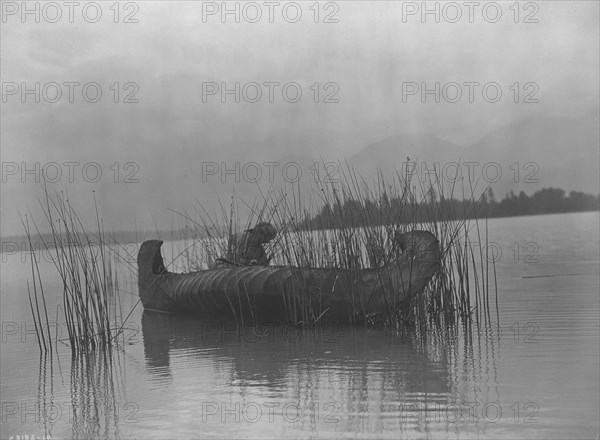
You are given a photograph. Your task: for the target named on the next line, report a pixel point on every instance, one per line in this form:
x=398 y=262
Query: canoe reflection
x=269 y=350
x=371 y=375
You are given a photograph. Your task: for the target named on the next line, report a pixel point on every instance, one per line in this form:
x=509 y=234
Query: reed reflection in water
x=268 y=380
x=85 y=400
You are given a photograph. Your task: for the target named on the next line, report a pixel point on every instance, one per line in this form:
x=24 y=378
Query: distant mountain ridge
x=525 y=156
x=551 y=140
x=530 y=155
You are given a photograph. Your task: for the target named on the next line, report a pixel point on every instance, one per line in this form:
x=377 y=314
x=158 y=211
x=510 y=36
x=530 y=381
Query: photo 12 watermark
x=270 y=92
x=520 y=332
x=524 y=252
x=267 y=332
x=26 y=411
x=49 y=251
x=69 y=92
x=470 y=12
x=70 y=172
x=70 y=12
x=452 y=92
x=24 y=332
x=470 y=412
x=270 y=412
x=470 y=171
x=270 y=12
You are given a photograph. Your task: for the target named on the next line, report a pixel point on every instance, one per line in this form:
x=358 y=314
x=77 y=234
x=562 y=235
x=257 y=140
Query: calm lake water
x=534 y=374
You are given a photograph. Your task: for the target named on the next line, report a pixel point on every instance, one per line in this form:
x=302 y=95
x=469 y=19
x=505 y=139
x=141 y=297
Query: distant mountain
x=391 y=153
x=558 y=152
x=525 y=156
x=547 y=141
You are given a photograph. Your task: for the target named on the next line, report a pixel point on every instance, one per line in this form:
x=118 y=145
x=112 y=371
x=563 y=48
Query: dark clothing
x=245 y=251
x=246 y=248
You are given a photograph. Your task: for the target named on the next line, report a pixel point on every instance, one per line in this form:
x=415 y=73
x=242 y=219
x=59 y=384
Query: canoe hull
x=288 y=294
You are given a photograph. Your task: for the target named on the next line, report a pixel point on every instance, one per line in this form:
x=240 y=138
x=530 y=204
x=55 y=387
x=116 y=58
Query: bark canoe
x=288 y=293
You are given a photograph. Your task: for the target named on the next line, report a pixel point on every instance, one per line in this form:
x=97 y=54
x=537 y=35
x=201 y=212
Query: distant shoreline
x=542 y=202
x=127 y=237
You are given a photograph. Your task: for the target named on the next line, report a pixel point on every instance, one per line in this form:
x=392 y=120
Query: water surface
x=533 y=374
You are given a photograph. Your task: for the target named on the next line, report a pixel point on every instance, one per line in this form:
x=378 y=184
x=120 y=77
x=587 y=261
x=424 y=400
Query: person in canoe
x=246 y=248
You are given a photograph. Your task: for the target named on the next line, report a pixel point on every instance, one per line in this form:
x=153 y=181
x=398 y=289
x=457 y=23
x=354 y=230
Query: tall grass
x=349 y=223
x=90 y=301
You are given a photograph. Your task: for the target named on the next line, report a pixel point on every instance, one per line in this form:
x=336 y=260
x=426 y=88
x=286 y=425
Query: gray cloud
x=368 y=54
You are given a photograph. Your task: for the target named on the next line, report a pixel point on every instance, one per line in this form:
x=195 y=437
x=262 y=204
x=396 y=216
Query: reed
x=349 y=223
x=87 y=269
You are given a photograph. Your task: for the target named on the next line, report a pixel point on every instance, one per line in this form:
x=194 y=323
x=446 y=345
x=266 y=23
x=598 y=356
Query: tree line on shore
x=403 y=210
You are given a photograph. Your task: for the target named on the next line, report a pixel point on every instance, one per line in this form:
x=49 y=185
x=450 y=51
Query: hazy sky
x=365 y=61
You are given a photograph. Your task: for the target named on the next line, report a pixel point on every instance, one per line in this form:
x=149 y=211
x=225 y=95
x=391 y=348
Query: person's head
x=418 y=242
x=263 y=232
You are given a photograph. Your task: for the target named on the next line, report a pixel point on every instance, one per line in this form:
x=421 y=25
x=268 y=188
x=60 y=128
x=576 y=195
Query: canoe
x=287 y=294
